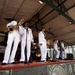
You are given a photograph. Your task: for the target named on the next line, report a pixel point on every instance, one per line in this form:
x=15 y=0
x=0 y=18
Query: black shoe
x=21 y=62
x=4 y=63
x=55 y=60
x=13 y=63
x=28 y=62
x=25 y=62
x=42 y=61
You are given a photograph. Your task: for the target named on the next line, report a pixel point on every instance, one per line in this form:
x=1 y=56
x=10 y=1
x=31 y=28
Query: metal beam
x=65 y=26
x=38 y=16
x=69 y=8
x=64 y=11
x=62 y=7
x=58 y=10
x=39 y=8
x=47 y=14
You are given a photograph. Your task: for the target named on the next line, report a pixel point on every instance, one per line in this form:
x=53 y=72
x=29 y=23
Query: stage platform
x=62 y=67
x=33 y=64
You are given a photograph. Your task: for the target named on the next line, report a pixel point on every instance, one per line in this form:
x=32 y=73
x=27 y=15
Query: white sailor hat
x=13 y=23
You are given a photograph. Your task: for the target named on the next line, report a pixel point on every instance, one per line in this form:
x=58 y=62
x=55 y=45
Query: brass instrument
x=48 y=42
x=11 y=28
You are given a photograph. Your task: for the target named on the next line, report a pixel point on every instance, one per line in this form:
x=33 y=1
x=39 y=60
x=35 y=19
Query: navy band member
x=63 y=49
x=55 y=46
x=26 y=40
x=13 y=36
x=42 y=44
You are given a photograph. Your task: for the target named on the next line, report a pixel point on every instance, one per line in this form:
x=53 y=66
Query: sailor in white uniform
x=26 y=40
x=63 y=49
x=13 y=36
x=55 y=46
x=42 y=44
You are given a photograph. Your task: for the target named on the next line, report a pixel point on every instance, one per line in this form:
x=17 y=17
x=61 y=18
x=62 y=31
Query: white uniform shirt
x=22 y=31
x=55 y=45
x=41 y=37
x=62 y=45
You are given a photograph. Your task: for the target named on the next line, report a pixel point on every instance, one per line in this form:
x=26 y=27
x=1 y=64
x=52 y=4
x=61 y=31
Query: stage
x=62 y=67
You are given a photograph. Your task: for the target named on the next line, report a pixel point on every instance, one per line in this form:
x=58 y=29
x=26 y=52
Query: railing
x=51 y=69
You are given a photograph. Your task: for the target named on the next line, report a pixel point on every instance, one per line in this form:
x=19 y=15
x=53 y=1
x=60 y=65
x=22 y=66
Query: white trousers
x=63 y=55
x=43 y=50
x=57 y=53
x=12 y=37
x=23 y=44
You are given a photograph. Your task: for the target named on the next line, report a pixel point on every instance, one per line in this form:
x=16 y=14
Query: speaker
x=70 y=56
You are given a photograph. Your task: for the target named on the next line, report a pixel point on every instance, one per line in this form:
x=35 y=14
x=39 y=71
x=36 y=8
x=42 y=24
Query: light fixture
x=70 y=22
x=40 y=2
